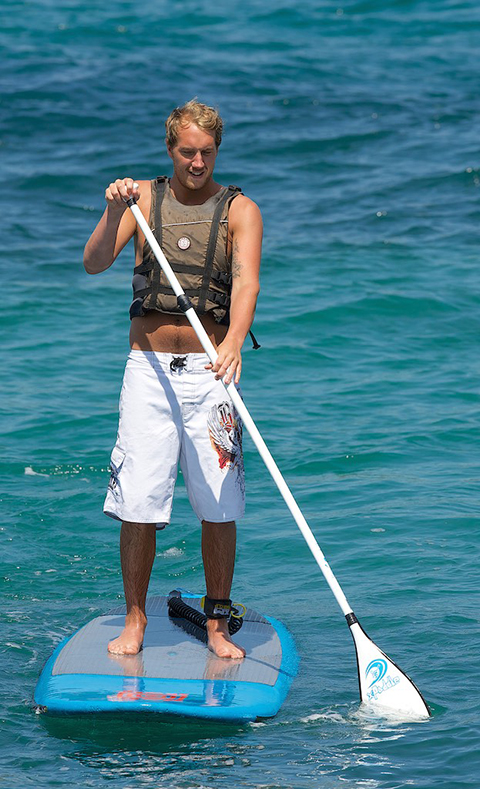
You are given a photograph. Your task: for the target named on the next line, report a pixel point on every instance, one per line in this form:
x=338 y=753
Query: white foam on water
x=324 y=716
x=384 y=717
x=172 y=553
x=29 y=472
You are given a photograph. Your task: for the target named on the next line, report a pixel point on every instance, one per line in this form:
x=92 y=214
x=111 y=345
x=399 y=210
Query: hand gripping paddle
x=383 y=685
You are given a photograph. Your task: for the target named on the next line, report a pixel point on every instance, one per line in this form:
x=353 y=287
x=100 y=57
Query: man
x=173 y=406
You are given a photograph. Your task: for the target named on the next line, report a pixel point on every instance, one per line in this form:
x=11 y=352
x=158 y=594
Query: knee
x=223 y=525
x=131 y=526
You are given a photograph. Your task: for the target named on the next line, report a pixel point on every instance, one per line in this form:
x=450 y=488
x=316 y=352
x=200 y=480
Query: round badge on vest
x=183 y=243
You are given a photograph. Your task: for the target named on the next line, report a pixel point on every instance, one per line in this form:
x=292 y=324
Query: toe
x=227 y=650
x=118 y=647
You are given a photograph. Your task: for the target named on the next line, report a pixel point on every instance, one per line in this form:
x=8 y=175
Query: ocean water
x=354 y=125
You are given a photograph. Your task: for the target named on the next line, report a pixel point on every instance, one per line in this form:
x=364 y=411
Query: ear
x=169 y=150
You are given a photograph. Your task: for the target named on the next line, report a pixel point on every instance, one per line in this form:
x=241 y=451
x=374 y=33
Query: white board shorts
x=171 y=415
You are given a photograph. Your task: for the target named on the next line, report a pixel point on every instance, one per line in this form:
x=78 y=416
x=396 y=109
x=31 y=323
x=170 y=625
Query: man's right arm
x=115 y=228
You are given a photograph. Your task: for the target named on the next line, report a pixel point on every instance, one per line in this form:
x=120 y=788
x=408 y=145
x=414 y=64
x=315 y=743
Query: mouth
x=197 y=174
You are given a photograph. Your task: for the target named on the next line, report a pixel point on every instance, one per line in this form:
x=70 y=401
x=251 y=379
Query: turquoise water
x=354 y=125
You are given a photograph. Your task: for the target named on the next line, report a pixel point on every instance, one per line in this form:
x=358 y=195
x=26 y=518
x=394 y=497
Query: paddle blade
x=383 y=685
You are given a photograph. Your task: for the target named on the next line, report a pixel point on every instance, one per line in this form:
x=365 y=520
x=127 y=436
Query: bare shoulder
x=243 y=211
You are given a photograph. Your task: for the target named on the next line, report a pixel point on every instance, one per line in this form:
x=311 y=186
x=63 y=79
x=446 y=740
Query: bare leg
x=137 y=552
x=218 y=552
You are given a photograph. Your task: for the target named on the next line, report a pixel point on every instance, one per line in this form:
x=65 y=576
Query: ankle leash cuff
x=216 y=609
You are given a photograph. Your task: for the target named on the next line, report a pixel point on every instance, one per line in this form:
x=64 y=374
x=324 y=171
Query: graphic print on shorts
x=225 y=430
x=113 y=481
x=116 y=463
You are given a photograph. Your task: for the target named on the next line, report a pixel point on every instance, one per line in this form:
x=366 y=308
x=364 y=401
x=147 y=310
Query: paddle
x=383 y=685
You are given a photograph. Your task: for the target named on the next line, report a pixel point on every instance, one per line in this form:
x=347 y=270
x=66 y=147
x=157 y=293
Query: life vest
x=194 y=241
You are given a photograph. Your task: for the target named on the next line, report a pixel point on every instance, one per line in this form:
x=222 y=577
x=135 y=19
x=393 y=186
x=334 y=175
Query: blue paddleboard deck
x=175 y=673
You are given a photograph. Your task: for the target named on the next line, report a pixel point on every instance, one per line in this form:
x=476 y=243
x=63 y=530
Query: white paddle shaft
x=245 y=416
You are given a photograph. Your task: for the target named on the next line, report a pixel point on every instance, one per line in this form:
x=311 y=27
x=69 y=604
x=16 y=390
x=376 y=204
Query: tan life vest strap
x=230 y=193
x=149 y=263
x=160 y=187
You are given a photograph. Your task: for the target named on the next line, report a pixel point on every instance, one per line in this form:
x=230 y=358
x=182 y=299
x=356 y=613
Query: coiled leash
x=215 y=609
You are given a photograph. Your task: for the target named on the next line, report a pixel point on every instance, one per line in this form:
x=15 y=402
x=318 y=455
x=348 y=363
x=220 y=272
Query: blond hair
x=206 y=118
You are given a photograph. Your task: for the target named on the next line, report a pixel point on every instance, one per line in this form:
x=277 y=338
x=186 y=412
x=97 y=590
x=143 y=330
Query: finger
x=112 y=194
x=227 y=369
x=122 y=187
x=221 y=368
x=113 y=198
x=234 y=370
x=229 y=373
x=131 y=188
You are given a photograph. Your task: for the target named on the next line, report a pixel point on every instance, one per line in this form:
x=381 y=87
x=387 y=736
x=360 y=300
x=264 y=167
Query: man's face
x=193 y=157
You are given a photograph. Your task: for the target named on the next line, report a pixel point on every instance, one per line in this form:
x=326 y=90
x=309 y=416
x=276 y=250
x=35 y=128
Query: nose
x=197 y=160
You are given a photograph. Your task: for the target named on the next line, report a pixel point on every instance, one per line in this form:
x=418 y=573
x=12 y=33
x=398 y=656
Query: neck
x=193 y=196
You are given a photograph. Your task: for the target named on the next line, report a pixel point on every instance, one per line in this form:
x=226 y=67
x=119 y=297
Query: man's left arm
x=245 y=221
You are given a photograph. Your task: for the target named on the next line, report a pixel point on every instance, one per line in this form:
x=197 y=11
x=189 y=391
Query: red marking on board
x=144 y=695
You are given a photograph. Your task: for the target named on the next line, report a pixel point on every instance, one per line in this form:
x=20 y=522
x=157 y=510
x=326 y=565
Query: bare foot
x=220 y=642
x=130 y=640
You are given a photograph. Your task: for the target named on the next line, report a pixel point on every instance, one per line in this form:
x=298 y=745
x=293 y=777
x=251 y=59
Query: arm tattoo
x=236 y=265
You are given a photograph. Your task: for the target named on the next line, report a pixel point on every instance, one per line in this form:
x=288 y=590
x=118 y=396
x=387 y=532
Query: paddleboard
x=174 y=674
